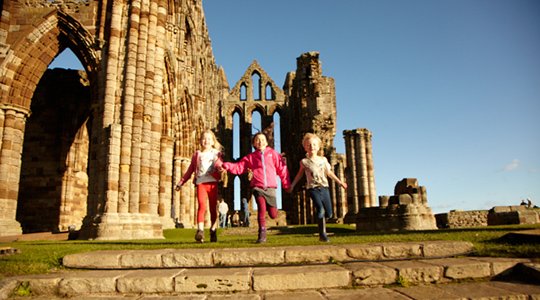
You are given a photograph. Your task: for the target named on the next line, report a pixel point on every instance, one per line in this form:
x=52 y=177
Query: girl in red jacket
x=203 y=163
x=265 y=163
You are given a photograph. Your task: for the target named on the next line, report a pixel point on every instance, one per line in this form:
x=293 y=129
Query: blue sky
x=449 y=89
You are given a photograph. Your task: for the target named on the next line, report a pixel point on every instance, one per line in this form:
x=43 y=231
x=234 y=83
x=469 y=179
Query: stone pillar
x=166 y=184
x=360 y=171
x=352 y=192
x=12 y=124
x=370 y=169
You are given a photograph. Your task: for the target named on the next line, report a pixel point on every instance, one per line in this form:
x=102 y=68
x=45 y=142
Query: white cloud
x=514 y=164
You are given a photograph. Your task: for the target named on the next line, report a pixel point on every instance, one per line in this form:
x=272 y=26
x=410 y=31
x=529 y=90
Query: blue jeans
x=321 y=200
x=222 y=220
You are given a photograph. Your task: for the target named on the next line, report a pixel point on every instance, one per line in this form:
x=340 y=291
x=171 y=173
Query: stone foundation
x=123 y=227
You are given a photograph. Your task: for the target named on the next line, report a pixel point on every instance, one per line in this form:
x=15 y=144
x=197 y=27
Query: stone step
x=243 y=257
x=404 y=279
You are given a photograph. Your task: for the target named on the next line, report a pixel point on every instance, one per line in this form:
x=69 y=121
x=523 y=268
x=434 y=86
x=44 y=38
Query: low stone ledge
x=300 y=277
x=316 y=254
x=249 y=256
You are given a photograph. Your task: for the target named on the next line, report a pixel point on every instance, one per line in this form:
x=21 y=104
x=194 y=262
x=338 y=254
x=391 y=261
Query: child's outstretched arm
x=331 y=174
x=189 y=172
x=238 y=167
x=298 y=176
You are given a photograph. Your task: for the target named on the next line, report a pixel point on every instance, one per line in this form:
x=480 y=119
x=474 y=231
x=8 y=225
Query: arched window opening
x=243 y=92
x=66 y=60
x=236 y=136
x=256 y=123
x=269 y=92
x=256 y=81
x=277 y=147
x=236 y=203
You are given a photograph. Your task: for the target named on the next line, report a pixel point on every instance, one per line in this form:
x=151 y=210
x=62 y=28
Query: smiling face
x=207 y=140
x=312 y=146
x=260 y=142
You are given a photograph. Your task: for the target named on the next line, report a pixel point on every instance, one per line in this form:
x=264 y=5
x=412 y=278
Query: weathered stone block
x=178 y=258
x=462 y=268
x=89 y=282
x=368 y=274
x=366 y=252
x=446 y=248
x=315 y=254
x=105 y=260
x=416 y=272
x=251 y=256
x=141 y=259
x=148 y=281
x=294 y=278
x=214 y=280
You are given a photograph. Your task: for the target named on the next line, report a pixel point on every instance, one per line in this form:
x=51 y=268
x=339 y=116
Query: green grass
x=37 y=257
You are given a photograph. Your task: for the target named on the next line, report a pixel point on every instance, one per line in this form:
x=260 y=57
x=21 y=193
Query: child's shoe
x=199 y=236
x=262 y=236
x=322 y=231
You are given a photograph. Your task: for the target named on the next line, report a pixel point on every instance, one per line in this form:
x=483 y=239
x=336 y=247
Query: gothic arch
x=31 y=54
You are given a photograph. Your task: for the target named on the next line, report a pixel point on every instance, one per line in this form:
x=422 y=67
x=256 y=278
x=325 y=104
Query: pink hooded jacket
x=265 y=166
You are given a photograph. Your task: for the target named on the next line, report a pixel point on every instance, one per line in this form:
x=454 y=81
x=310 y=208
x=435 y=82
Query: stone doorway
x=54 y=172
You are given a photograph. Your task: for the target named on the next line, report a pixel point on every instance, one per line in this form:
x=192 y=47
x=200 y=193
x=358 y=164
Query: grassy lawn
x=37 y=257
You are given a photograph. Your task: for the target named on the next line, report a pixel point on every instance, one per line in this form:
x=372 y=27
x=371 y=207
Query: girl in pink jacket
x=265 y=163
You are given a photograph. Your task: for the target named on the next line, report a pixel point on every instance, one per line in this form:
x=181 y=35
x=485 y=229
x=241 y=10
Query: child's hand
x=178 y=186
x=344 y=185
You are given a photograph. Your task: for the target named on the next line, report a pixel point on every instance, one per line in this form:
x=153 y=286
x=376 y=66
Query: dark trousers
x=321 y=199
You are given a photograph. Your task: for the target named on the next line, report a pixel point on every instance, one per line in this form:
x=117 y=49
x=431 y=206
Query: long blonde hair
x=216 y=146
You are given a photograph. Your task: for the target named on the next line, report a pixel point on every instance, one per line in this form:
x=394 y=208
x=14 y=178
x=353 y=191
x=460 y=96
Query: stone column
x=360 y=171
x=352 y=192
x=361 y=160
x=370 y=169
x=12 y=124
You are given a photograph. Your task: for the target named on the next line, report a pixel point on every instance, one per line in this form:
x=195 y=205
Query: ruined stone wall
x=462 y=219
x=311 y=107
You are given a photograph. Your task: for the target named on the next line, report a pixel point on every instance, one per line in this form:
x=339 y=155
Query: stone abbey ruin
x=100 y=150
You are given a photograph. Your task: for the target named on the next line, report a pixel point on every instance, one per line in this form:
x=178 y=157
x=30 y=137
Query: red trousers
x=207 y=190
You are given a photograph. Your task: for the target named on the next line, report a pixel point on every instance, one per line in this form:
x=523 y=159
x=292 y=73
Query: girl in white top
x=317 y=170
x=203 y=164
